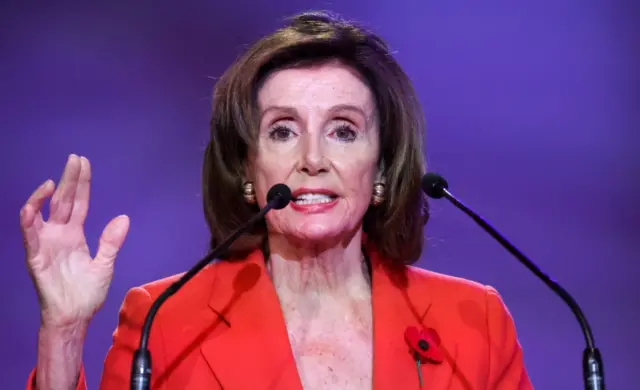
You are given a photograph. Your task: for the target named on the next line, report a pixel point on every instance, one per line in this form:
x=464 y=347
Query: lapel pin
x=424 y=346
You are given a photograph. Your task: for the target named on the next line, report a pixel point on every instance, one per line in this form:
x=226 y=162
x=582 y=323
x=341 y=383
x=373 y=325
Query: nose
x=312 y=159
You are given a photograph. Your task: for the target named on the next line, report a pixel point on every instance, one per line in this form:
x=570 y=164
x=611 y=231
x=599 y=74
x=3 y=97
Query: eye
x=280 y=133
x=345 y=133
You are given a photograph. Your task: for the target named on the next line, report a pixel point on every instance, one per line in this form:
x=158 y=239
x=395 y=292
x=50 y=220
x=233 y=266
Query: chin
x=317 y=228
x=327 y=233
x=318 y=232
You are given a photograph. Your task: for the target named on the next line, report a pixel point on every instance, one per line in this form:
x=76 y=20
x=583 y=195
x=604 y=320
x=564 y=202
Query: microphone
x=435 y=186
x=278 y=197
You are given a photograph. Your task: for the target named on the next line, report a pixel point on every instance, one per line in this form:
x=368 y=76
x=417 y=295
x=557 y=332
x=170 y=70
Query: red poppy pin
x=425 y=346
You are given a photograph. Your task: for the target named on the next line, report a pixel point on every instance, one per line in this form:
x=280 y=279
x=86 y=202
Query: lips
x=313 y=200
x=313 y=196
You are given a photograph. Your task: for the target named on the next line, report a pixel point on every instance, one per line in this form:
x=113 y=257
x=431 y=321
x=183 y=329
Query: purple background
x=533 y=116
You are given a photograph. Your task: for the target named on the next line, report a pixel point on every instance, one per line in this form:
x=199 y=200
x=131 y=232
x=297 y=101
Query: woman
x=319 y=296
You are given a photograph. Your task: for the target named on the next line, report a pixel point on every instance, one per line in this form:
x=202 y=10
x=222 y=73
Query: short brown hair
x=396 y=226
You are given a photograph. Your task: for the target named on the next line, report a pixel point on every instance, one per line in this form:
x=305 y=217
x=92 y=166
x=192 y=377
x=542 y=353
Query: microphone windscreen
x=281 y=193
x=434 y=185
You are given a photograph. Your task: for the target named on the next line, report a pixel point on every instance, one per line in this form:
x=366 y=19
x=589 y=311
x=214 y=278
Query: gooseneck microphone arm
x=278 y=197
x=435 y=186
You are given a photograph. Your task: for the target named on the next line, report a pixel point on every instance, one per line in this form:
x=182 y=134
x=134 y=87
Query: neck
x=315 y=270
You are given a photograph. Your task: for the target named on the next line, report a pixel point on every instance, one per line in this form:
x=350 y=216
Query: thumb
x=112 y=239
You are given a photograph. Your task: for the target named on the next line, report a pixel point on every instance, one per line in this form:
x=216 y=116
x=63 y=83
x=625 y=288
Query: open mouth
x=314 y=198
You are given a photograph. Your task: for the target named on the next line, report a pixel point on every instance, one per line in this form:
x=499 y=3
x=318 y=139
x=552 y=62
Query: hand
x=71 y=286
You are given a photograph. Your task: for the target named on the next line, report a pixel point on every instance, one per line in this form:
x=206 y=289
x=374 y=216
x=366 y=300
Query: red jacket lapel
x=401 y=298
x=252 y=350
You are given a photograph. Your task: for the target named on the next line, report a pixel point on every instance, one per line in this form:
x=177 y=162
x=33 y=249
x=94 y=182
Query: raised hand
x=71 y=284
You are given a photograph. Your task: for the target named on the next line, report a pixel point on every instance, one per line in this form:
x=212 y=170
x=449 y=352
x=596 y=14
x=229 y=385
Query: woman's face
x=319 y=136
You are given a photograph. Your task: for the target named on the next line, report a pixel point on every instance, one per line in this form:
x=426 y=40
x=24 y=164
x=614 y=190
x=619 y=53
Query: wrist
x=61 y=324
x=59 y=355
x=69 y=331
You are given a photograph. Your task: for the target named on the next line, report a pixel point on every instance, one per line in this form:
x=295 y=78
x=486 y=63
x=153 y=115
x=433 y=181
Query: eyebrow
x=286 y=109
x=339 y=107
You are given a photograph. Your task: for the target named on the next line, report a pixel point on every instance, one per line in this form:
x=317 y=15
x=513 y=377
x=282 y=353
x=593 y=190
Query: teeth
x=313 y=199
x=313 y=196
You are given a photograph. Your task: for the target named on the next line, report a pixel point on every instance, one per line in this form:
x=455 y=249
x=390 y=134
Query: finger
x=62 y=200
x=30 y=240
x=35 y=202
x=112 y=239
x=31 y=216
x=81 y=201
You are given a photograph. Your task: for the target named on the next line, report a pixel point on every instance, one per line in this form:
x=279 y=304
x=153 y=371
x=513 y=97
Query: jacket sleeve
x=507 y=370
x=126 y=338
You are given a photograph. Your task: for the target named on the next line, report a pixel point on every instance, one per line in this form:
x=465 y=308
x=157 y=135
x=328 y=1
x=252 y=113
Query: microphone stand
x=279 y=196
x=592 y=368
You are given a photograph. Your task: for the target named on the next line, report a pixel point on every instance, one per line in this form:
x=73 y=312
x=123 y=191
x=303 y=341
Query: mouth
x=310 y=197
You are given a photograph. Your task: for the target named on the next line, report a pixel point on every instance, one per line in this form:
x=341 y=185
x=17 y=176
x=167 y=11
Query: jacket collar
x=253 y=349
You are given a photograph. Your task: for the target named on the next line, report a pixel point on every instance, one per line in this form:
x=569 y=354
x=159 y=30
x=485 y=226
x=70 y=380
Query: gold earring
x=249 y=193
x=378 y=194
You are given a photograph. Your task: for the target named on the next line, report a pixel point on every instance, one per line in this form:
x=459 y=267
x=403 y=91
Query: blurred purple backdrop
x=533 y=113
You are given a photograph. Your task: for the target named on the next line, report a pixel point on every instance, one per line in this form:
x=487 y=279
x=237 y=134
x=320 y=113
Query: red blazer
x=225 y=330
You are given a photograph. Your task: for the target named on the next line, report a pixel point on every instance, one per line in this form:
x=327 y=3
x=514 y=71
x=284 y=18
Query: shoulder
x=443 y=285
x=195 y=293
x=157 y=287
x=469 y=301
